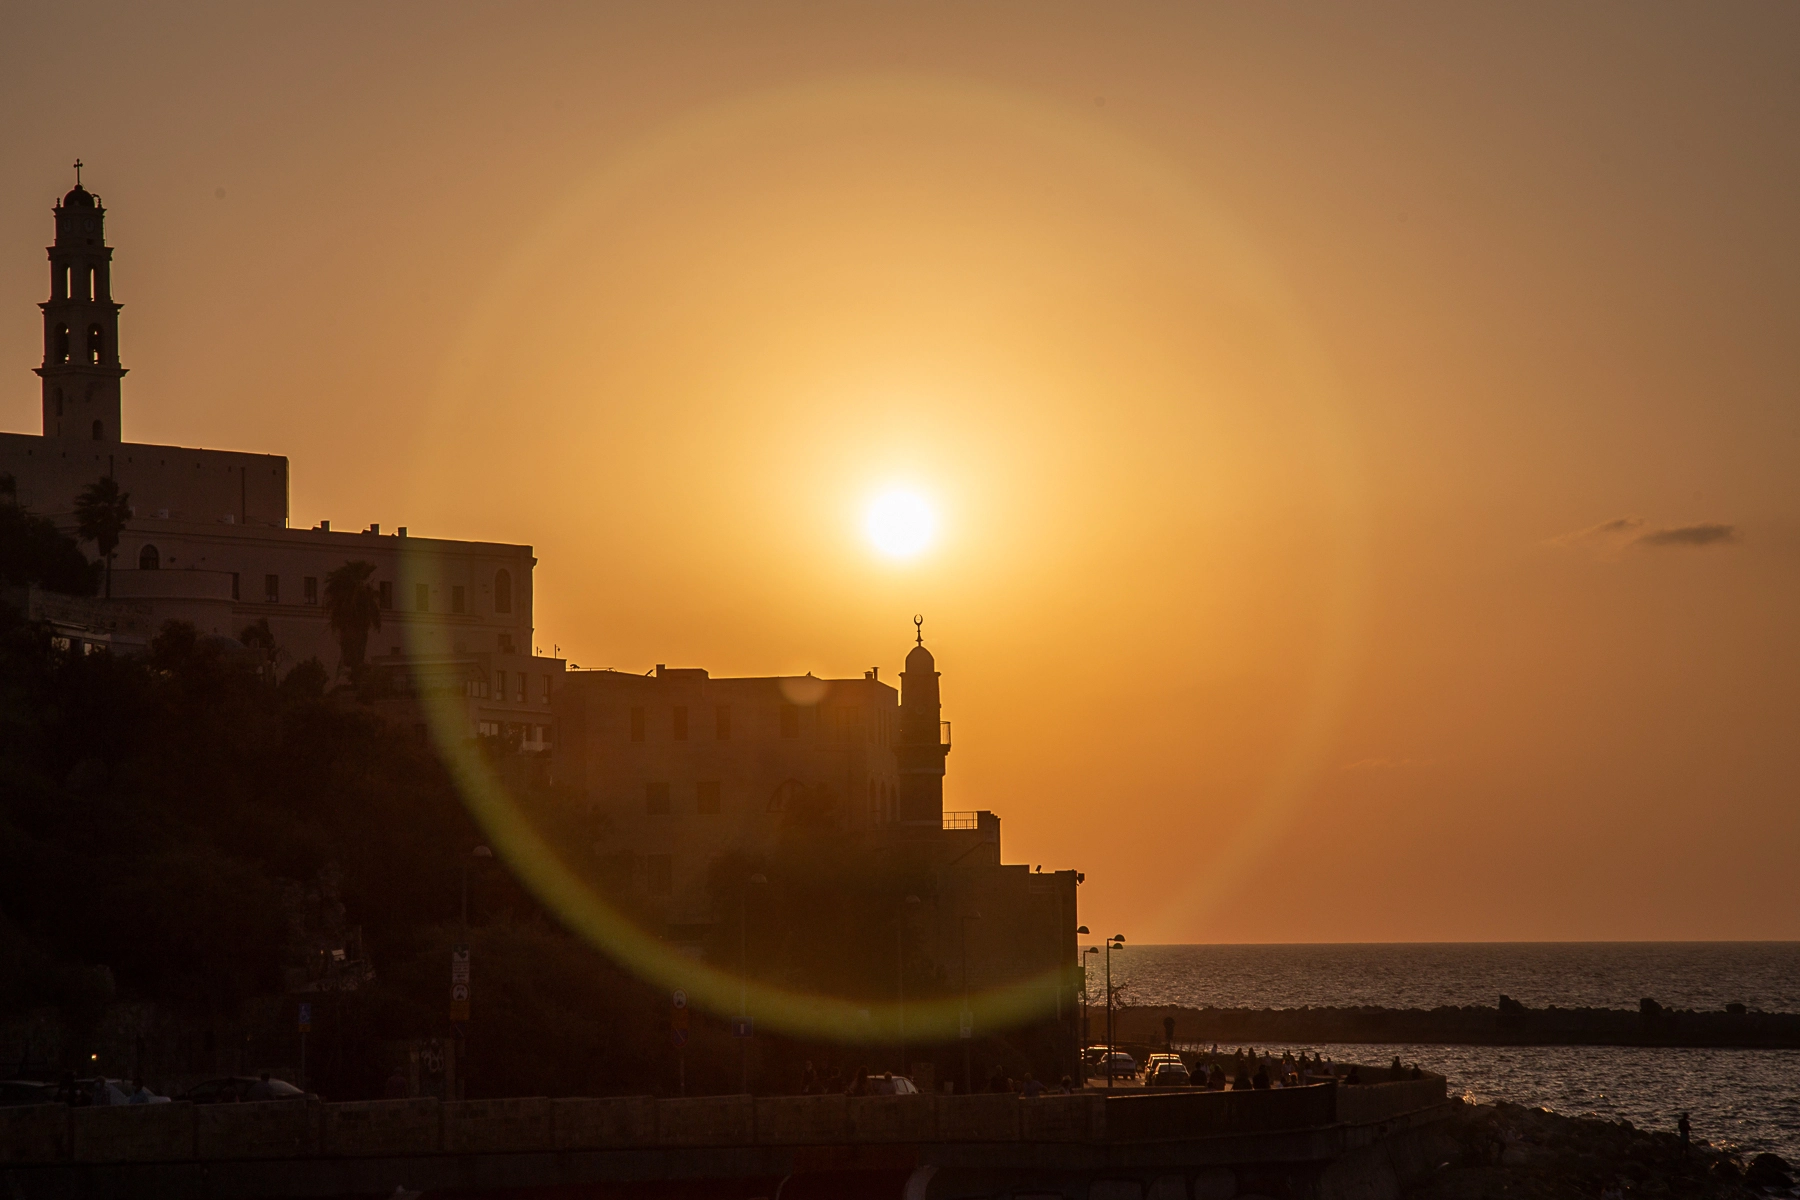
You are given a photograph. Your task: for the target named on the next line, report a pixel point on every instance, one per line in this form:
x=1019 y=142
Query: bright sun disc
x=900 y=524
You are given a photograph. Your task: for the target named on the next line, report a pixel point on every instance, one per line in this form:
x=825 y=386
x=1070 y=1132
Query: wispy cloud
x=1604 y=531
x=1701 y=533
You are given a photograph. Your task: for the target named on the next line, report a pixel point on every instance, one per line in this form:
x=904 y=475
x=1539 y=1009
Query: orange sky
x=1324 y=408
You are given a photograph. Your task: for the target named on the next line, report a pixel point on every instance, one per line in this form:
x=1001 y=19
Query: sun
x=900 y=523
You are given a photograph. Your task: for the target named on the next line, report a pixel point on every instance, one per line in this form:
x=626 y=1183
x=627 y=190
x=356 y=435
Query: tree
x=32 y=550
x=354 y=609
x=101 y=512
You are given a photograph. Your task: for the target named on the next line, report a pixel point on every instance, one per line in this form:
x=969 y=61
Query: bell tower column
x=81 y=370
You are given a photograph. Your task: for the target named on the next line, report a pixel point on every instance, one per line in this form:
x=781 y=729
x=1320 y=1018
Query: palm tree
x=354 y=609
x=101 y=512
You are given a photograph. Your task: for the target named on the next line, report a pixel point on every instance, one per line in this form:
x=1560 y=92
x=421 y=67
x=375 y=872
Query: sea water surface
x=1745 y=1098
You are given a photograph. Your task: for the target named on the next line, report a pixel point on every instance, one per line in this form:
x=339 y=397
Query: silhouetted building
x=677 y=770
x=208 y=541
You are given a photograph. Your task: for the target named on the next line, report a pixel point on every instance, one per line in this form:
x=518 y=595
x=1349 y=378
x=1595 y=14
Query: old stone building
x=679 y=769
x=208 y=541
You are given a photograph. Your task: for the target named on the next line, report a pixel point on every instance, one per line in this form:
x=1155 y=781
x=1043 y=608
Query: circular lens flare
x=901 y=524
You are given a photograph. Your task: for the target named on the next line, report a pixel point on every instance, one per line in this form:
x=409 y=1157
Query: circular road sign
x=680 y=998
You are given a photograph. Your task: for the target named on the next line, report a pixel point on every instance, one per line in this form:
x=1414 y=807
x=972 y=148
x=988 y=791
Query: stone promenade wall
x=392 y=1128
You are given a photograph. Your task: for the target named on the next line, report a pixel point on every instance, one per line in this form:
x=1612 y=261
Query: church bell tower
x=81 y=370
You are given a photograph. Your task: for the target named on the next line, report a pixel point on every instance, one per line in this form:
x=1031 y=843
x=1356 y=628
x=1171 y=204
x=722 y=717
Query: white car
x=891 y=1085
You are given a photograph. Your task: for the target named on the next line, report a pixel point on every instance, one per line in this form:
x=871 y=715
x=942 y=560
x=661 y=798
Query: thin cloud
x=1701 y=533
x=1614 y=528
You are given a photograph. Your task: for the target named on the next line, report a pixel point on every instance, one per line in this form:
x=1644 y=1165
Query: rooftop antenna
x=78 y=172
x=919 y=629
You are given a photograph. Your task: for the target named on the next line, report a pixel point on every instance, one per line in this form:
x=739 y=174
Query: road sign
x=305 y=1018
x=680 y=998
x=743 y=1027
x=459 y=983
x=679 y=1037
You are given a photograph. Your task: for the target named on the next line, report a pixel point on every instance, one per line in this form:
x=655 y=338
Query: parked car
x=17 y=1092
x=236 y=1088
x=891 y=1085
x=79 y=1093
x=1119 y=1065
x=1167 y=1074
x=1156 y=1060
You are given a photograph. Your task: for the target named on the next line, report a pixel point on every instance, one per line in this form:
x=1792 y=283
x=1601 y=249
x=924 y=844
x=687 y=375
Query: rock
x=1768 y=1170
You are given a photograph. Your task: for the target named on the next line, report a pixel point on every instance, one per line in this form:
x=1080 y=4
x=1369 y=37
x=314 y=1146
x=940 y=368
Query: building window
x=421 y=597
x=656 y=799
x=457 y=603
x=234 y=585
x=637 y=724
x=59 y=347
x=790 y=721
x=519 y=695
x=149 y=559
x=500 y=685
x=488 y=728
x=706 y=797
x=546 y=698
x=385 y=592
x=722 y=722
x=544 y=732
x=478 y=689
x=272 y=589
x=678 y=723
x=95 y=337
x=93 y=283
x=68 y=284
x=502 y=591
x=659 y=874
x=309 y=589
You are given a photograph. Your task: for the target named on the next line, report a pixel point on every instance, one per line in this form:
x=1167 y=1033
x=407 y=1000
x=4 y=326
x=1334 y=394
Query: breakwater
x=1508 y=1023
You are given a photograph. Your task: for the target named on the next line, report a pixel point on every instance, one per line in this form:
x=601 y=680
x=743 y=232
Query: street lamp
x=1116 y=941
x=900 y=971
x=967 y=1036
x=756 y=880
x=1084 y=1001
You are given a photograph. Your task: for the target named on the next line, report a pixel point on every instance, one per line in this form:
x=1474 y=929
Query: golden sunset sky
x=1364 y=439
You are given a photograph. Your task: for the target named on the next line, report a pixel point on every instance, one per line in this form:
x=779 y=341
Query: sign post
x=304 y=1023
x=459 y=1010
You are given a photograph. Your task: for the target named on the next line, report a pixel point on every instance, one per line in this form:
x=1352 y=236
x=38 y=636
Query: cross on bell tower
x=81 y=370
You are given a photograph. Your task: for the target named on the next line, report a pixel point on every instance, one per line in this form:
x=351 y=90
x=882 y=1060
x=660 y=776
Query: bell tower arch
x=81 y=370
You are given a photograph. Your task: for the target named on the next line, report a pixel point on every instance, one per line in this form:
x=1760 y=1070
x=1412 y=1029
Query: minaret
x=81 y=369
x=920 y=750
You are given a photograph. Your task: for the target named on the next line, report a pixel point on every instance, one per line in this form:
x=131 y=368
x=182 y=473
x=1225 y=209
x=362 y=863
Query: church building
x=209 y=542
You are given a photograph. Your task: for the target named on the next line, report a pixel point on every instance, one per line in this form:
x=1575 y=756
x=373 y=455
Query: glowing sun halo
x=900 y=523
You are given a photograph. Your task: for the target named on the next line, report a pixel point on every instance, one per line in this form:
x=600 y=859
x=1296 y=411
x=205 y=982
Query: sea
x=1746 y=1099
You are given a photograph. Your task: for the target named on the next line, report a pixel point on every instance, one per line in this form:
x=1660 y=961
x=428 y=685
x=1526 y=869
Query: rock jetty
x=1507 y=1152
x=1509 y=1023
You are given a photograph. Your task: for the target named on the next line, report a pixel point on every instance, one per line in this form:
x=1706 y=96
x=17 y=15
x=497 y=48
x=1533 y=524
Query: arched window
x=149 y=559
x=59 y=347
x=502 y=591
x=93 y=282
x=68 y=284
x=95 y=336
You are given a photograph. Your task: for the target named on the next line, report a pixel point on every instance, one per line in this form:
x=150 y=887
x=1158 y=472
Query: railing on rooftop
x=943 y=733
x=962 y=820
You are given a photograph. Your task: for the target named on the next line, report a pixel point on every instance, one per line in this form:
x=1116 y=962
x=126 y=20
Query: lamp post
x=744 y=972
x=968 y=1036
x=1117 y=941
x=1084 y=1004
x=900 y=971
x=462 y=1034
